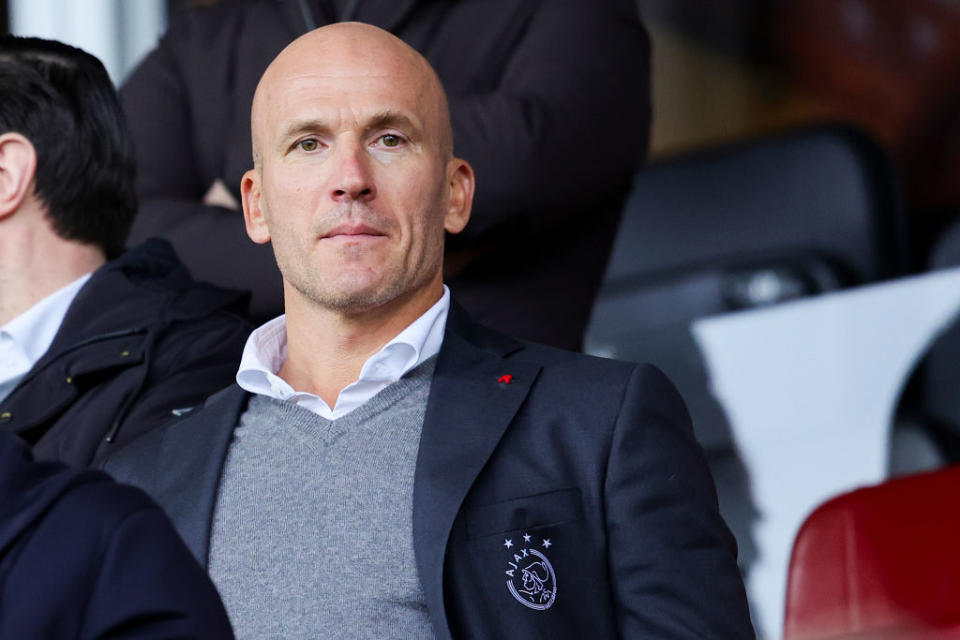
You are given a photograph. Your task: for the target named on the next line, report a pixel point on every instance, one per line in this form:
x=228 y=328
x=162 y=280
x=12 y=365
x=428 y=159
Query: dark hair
x=62 y=100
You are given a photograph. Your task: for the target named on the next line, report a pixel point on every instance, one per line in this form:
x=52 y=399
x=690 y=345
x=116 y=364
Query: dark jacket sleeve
x=181 y=146
x=568 y=123
x=149 y=586
x=672 y=559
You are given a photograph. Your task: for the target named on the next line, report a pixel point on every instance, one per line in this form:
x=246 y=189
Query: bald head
x=351 y=52
x=355 y=184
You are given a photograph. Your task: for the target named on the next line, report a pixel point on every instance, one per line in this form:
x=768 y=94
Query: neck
x=326 y=349
x=35 y=262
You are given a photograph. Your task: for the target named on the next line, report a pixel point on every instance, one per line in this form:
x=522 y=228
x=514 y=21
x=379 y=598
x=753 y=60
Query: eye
x=308 y=145
x=391 y=140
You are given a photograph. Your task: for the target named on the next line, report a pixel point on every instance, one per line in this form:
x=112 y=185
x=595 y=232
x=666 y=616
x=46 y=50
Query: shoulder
x=90 y=509
x=575 y=374
x=148 y=289
x=586 y=375
x=196 y=429
x=95 y=498
x=151 y=274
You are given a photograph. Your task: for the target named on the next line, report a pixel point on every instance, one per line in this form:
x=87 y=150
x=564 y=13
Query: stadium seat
x=881 y=562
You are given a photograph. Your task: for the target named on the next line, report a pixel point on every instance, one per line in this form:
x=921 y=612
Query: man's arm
x=568 y=124
x=173 y=133
x=672 y=558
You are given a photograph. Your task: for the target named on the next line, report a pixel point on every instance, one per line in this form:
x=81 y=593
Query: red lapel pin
x=505 y=379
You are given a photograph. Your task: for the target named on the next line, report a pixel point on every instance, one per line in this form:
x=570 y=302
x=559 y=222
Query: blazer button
x=6 y=416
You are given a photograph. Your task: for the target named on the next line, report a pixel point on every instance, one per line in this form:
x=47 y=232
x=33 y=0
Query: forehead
x=341 y=95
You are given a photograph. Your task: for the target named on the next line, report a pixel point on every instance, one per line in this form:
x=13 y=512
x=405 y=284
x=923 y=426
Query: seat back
x=752 y=224
x=879 y=562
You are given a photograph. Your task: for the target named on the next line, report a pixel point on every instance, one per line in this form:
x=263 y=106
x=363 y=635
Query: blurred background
x=788 y=253
x=723 y=71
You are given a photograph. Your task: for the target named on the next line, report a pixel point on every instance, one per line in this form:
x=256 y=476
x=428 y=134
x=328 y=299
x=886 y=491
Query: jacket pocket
x=527 y=512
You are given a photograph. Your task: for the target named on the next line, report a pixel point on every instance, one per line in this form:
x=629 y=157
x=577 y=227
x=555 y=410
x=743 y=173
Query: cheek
x=293 y=179
x=294 y=197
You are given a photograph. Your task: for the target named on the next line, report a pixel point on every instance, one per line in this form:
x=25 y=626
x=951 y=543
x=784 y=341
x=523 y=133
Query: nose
x=353 y=179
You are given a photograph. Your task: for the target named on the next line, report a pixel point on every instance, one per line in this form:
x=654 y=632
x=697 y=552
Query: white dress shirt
x=266 y=351
x=27 y=337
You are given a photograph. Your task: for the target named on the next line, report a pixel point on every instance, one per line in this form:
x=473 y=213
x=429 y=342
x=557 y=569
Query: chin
x=357 y=300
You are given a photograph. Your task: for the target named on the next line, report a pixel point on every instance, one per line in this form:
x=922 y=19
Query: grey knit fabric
x=313 y=531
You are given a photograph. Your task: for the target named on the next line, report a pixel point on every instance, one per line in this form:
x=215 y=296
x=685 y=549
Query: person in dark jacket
x=550 y=105
x=84 y=557
x=97 y=345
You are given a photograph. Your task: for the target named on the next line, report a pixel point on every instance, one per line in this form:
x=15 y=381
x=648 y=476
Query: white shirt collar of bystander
x=25 y=339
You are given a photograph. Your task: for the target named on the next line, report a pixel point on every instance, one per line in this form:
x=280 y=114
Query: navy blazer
x=556 y=495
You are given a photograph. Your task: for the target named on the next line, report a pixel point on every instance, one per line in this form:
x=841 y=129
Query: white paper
x=810 y=388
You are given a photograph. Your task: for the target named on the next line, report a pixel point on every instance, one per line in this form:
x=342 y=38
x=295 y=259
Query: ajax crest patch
x=530 y=576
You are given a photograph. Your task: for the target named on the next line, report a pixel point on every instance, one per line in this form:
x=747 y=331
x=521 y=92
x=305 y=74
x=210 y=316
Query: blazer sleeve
x=149 y=586
x=568 y=123
x=672 y=558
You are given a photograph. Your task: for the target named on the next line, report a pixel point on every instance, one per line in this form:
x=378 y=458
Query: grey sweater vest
x=313 y=529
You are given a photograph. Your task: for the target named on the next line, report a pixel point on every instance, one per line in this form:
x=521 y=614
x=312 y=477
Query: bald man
x=385 y=467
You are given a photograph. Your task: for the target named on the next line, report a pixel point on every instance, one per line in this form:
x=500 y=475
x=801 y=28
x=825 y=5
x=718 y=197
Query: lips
x=348 y=230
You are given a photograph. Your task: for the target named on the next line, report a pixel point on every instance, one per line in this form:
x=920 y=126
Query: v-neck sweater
x=313 y=528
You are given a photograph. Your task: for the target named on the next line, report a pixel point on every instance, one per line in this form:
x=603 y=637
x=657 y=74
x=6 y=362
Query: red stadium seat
x=880 y=563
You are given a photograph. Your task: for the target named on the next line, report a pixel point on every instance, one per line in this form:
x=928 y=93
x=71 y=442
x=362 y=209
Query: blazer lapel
x=191 y=458
x=470 y=406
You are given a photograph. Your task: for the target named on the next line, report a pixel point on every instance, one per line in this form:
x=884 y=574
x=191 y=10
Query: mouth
x=352 y=231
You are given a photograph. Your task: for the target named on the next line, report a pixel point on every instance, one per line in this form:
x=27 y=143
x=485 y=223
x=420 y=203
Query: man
x=82 y=557
x=92 y=353
x=550 y=103
x=387 y=467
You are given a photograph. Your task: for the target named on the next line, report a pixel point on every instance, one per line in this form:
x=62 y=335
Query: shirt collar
x=266 y=351
x=34 y=329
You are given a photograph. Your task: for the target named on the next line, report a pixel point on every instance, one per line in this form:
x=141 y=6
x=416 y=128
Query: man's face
x=354 y=186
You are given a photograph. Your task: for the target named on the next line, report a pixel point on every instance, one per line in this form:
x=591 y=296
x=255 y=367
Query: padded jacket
x=141 y=340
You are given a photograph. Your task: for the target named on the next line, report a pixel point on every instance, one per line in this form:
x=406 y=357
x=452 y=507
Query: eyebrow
x=386 y=119
x=299 y=127
x=381 y=120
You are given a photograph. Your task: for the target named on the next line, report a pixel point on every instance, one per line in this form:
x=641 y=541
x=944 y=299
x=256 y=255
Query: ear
x=460 y=182
x=251 y=194
x=18 y=167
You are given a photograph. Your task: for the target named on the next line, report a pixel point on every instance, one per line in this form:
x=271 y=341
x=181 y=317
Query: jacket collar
x=188 y=463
